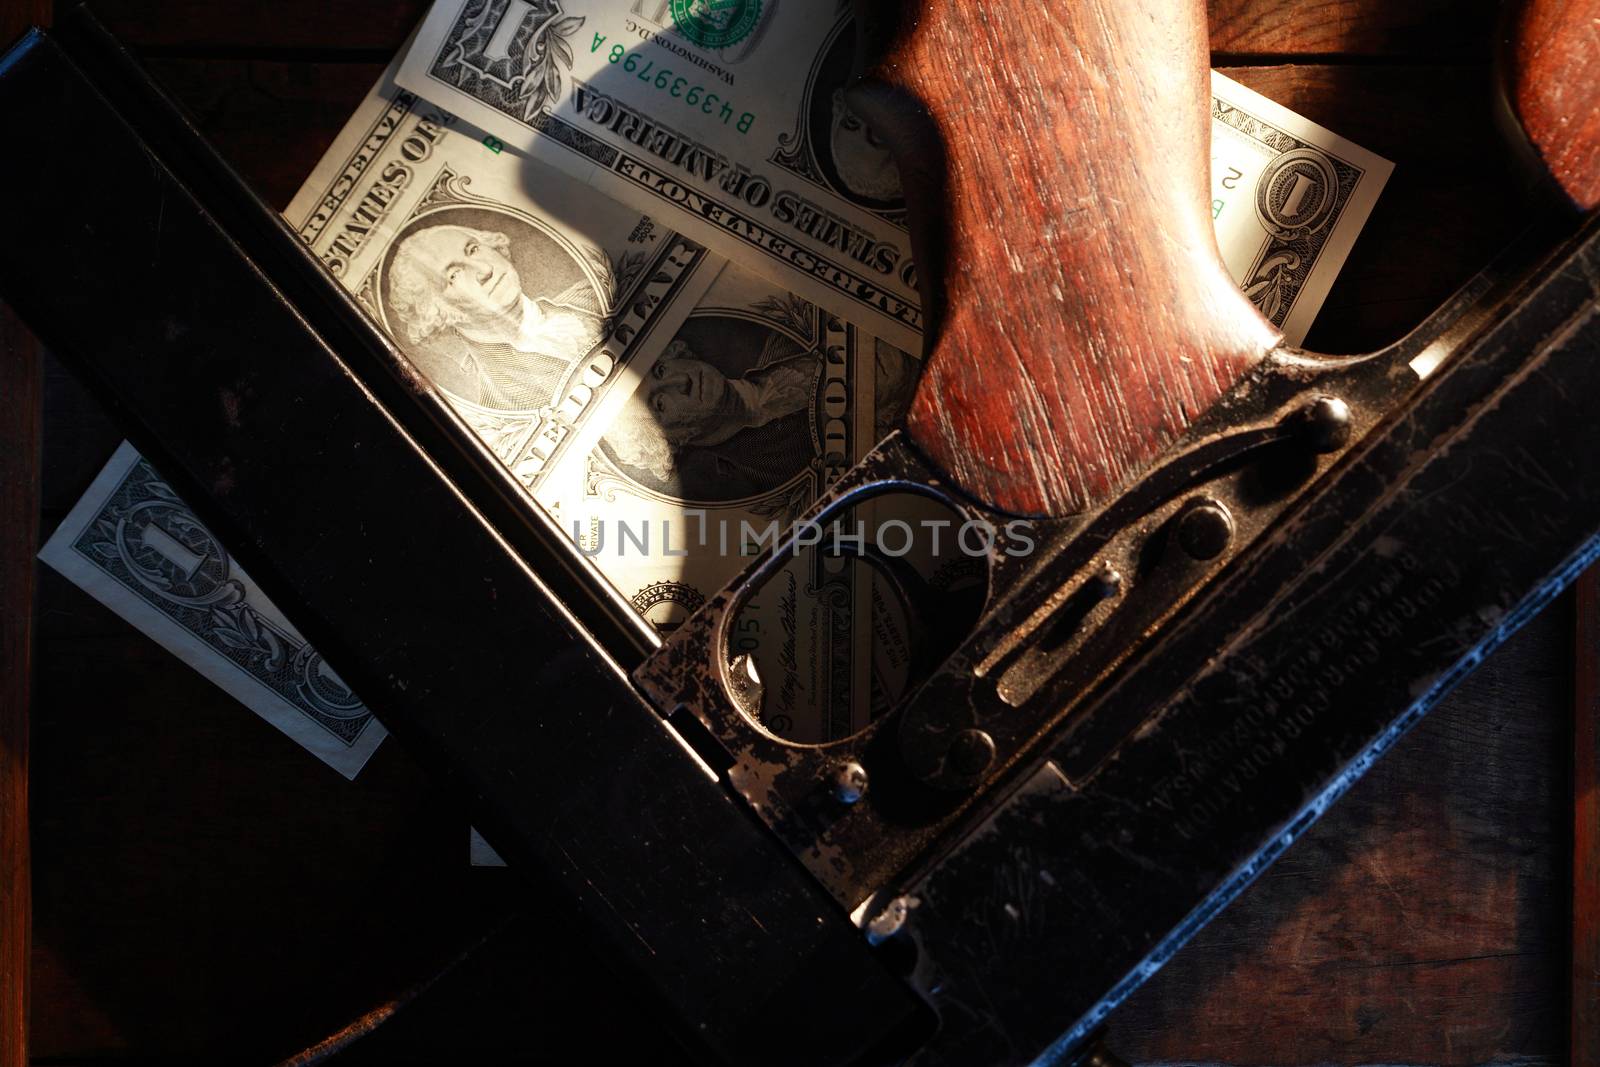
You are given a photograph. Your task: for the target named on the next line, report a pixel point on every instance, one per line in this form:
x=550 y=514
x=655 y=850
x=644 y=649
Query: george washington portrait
x=491 y=308
x=725 y=414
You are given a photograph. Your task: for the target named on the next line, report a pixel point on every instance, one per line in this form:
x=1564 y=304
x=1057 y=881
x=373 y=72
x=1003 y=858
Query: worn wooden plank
x=19 y=532
x=293 y=25
x=1422 y=921
x=1353 y=29
x=1348 y=28
x=1584 y=995
x=19 y=529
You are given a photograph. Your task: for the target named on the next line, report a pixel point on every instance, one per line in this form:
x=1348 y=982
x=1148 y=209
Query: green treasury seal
x=716 y=23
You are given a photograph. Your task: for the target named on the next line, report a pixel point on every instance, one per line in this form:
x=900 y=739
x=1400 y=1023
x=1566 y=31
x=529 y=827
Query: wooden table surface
x=205 y=893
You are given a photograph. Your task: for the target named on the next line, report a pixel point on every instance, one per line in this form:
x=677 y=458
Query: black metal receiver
x=1153 y=704
x=1173 y=688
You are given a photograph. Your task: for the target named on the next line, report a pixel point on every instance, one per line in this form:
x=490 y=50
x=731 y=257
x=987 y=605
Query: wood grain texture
x=19 y=535
x=19 y=532
x=1350 y=29
x=1584 y=1029
x=1553 y=72
x=1087 y=317
x=197 y=26
x=1420 y=29
x=1421 y=921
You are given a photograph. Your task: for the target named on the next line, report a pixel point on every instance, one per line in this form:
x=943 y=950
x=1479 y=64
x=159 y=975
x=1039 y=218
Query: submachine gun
x=1252 y=568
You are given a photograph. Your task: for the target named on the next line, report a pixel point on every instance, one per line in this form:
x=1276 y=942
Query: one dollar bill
x=134 y=546
x=1288 y=198
x=732 y=400
x=728 y=121
x=530 y=305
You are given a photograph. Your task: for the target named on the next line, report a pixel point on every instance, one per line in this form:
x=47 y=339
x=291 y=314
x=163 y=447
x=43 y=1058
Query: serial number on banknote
x=669 y=83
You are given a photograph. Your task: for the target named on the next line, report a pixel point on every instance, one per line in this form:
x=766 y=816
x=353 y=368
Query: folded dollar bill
x=135 y=547
x=1288 y=199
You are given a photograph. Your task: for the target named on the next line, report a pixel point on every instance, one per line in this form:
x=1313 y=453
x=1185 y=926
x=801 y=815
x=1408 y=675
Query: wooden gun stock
x=1088 y=317
x=1553 y=85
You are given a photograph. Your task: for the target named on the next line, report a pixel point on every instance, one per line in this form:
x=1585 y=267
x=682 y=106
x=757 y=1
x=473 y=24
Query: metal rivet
x=1205 y=528
x=1107 y=582
x=971 y=753
x=849 y=782
x=1325 y=422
